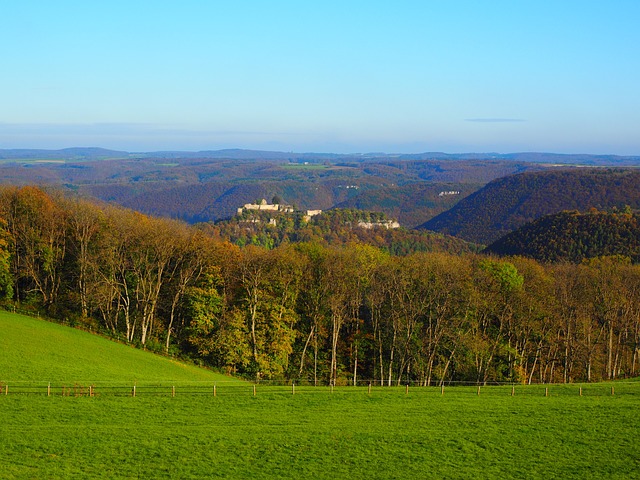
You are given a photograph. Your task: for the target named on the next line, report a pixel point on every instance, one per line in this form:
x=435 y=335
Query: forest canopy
x=315 y=312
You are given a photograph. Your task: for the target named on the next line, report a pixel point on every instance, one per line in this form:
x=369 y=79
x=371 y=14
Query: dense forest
x=574 y=237
x=313 y=312
x=506 y=204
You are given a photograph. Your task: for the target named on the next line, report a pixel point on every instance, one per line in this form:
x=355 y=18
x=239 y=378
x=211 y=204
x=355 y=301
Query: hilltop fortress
x=276 y=207
x=263 y=206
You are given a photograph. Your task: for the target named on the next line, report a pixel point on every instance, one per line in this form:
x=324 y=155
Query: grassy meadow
x=348 y=433
x=39 y=352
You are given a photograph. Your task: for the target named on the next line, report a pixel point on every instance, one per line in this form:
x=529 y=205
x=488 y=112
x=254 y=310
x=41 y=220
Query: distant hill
x=198 y=190
x=573 y=237
x=212 y=201
x=507 y=203
x=95 y=153
x=209 y=185
x=534 y=157
x=411 y=204
x=71 y=154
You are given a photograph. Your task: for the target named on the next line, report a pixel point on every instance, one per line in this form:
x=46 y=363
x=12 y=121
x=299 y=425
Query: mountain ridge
x=95 y=153
x=507 y=203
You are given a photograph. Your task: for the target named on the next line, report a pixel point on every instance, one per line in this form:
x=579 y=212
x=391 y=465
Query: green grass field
x=38 y=352
x=305 y=166
x=349 y=433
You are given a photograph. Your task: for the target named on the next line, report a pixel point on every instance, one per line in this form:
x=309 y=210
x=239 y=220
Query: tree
x=497 y=284
x=202 y=306
x=6 y=279
x=267 y=283
x=85 y=222
x=187 y=264
x=313 y=304
x=37 y=227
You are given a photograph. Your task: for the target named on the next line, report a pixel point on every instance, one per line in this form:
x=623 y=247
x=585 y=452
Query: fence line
x=222 y=389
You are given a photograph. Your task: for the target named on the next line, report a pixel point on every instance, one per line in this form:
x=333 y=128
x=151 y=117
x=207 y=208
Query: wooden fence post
x=49 y=390
x=612 y=391
x=442 y=389
x=214 y=390
x=406 y=390
x=513 y=390
x=580 y=391
x=546 y=391
x=293 y=388
x=478 y=390
x=369 y=389
x=133 y=392
x=254 y=390
x=173 y=390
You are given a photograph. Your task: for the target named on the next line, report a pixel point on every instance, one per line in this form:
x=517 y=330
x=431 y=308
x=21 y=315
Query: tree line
x=314 y=312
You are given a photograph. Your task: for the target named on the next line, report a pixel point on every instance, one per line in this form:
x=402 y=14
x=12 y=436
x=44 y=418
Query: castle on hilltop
x=263 y=206
x=280 y=208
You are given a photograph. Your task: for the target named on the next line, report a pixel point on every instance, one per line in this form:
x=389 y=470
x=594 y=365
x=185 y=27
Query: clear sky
x=325 y=76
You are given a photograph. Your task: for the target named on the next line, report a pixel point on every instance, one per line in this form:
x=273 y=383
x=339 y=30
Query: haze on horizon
x=404 y=77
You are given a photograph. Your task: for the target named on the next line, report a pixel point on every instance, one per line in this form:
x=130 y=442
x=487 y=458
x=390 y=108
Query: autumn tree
x=85 y=223
x=312 y=301
x=37 y=227
x=267 y=283
x=6 y=279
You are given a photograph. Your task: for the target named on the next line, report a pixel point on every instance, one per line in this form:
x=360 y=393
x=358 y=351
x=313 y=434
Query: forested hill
x=332 y=228
x=507 y=203
x=208 y=190
x=411 y=204
x=574 y=236
x=211 y=185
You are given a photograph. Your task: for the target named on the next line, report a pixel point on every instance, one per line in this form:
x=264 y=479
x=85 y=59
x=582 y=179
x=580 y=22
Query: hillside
x=212 y=201
x=333 y=227
x=507 y=203
x=209 y=186
x=573 y=236
x=199 y=190
x=411 y=204
x=38 y=351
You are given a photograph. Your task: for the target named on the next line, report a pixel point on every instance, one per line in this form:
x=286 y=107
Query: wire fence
x=236 y=389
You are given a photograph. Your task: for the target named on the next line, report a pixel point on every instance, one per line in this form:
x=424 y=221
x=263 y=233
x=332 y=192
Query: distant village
x=263 y=206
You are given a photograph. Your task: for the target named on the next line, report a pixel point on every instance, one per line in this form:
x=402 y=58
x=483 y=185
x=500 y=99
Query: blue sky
x=340 y=76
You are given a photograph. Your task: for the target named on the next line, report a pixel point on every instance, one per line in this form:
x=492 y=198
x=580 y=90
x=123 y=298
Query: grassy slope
x=36 y=351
